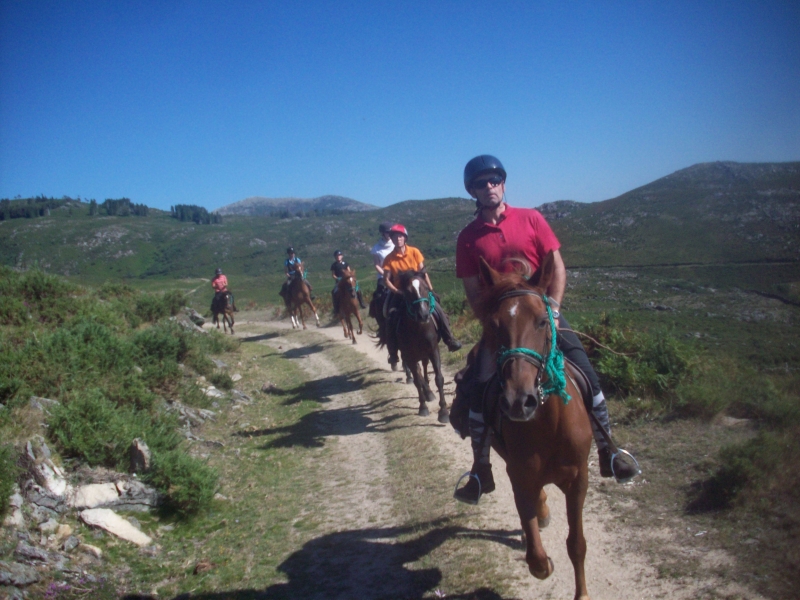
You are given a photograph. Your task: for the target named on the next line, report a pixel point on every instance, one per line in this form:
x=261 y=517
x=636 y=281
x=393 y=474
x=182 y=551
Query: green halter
x=552 y=364
x=430 y=300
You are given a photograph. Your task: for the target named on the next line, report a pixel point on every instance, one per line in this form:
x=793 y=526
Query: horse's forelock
x=521 y=266
x=489 y=296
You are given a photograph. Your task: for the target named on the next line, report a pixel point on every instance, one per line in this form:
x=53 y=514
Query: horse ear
x=544 y=274
x=488 y=274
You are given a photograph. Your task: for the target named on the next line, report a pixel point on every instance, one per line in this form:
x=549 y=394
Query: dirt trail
x=358 y=496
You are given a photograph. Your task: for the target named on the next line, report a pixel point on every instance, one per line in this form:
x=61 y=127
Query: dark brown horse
x=376 y=312
x=418 y=340
x=225 y=308
x=347 y=298
x=297 y=295
x=540 y=425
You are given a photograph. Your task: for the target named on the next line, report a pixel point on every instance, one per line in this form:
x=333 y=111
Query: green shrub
x=96 y=429
x=189 y=483
x=454 y=303
x=638 y=362
x=46 y=298
x=9 y=471
x=762 y=466
x=222 y=381
x=152 y=307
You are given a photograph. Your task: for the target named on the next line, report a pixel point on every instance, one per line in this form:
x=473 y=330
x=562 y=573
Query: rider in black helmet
x=289 y=266
x=499 y=232
x=337 y=272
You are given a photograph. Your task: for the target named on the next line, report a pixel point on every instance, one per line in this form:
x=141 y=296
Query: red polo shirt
x=522 y=233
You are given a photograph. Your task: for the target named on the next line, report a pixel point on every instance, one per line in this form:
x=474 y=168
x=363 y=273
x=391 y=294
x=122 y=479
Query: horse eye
x=544 y=322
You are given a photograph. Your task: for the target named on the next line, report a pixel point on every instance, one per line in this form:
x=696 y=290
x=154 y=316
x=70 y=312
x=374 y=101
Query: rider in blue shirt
x=290 y=268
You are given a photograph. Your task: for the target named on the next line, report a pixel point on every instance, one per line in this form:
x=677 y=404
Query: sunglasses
x=494 y=180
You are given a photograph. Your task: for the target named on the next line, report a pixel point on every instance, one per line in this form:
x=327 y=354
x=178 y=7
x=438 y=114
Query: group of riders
x=501 y=235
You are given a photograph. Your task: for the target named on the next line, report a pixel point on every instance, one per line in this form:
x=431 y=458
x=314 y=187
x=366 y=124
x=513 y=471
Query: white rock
x=16 y=500
x=94 y=550
x=236 y=377
x=15 y=519
x=107 y=519
x=93 y=494
x=48 y=526
x=51 y=478
x=213 y=392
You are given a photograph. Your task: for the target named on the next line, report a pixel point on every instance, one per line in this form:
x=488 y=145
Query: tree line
x=194 y=213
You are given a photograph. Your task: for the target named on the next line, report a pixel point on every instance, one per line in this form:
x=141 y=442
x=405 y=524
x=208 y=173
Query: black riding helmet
x=290 y=250
x=385 y=226
x=337 y=253
x=485 y=163
x=218 y=272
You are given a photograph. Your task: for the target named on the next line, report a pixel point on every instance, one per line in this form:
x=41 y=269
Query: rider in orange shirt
x=220 y=285
x=407 y=258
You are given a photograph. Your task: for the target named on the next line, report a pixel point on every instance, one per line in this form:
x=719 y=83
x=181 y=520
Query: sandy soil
x=357 y=497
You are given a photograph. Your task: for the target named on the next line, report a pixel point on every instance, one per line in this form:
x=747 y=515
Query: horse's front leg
x=576 y=542
x=313 y=310
x=527 y=497
x=421 y=384
x=360 y=322
x=344 y=325
x=436 y=360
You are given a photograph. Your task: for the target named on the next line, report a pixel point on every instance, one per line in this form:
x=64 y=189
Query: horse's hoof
x=543 y=522
x=546 y=573
x=423 y=411
x=444 y=417
x=354 y=341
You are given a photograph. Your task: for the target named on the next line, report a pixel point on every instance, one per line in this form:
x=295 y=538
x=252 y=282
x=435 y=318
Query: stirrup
x=470 y=475
x=637 y=468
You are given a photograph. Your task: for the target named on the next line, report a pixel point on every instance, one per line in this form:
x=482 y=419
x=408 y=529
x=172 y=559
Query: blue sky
x=195 y=102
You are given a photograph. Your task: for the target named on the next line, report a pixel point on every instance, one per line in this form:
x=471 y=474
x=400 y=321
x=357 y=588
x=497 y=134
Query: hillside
x=259 y=206
x=716 y=215
x=709 y=213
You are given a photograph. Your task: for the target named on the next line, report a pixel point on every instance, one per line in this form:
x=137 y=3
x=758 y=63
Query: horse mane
x=406 y=276
x=489 y=296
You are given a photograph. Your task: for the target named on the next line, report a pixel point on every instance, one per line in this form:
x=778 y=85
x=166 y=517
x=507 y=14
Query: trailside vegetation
x=194 y=213
x=115 y=364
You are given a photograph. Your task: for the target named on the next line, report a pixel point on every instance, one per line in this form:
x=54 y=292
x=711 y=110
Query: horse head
x=518 y=325
x=349 y=281
x=418 y=296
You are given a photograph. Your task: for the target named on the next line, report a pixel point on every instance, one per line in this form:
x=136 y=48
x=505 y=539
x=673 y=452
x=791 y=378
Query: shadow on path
x=368 y=564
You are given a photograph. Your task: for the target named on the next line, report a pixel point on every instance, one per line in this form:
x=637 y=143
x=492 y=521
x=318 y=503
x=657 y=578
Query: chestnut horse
x=298 y=294
x=539 y=422
x=224 y=308
x=346 y=293
x=418 y=340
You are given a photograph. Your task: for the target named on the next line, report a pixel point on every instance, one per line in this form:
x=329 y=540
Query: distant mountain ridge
x=260 y=206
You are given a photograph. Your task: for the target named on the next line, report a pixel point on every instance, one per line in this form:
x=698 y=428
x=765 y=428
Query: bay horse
x=418 y=340
x=376 y=312
x=346 y=293
x=540 y=425
x=224 y=308
x=297 y=295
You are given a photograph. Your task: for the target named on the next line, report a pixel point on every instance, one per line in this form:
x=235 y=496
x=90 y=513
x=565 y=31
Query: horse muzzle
x=520 y=406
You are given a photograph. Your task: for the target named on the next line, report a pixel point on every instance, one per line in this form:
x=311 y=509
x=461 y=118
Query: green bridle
x=430 y=300
x=551 y=364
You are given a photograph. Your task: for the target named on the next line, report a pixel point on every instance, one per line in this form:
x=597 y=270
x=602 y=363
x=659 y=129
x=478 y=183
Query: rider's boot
x=480 y=479
x=622 y=471
x=360 y=299
x=444 y=330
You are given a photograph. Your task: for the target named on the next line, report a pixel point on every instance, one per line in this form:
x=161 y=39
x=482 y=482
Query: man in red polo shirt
x=500 y=232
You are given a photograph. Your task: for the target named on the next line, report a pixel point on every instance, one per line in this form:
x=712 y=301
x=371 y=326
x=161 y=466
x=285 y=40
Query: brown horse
x=376 y=312
x=225 y=308
x=298 y=294
x=540 y=424
x=347 y=297
x=418 y=340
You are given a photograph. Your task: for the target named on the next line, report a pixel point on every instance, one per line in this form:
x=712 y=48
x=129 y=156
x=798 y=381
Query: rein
x=430 y=300
x=552 y=363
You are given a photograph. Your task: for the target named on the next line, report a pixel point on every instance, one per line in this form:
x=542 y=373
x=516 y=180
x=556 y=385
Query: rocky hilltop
x=260 y=206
